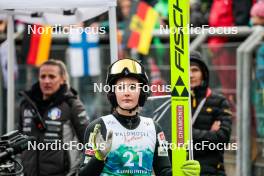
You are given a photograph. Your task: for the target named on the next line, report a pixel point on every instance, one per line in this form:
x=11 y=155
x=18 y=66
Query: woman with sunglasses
x=124 y=143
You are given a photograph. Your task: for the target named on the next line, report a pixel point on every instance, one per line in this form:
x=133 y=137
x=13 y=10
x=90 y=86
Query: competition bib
x=132 y=150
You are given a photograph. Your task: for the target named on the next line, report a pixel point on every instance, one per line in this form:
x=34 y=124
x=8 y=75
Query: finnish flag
x=83 y=54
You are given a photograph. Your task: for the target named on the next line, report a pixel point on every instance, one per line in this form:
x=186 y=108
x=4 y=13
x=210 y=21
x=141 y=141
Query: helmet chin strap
x=129 y=110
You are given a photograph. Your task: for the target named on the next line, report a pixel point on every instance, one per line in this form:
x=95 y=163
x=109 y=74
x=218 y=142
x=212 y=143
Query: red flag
x=142 y=22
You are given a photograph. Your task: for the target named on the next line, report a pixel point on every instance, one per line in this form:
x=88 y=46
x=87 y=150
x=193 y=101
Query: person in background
x=211 y=119
x=257 y=13
x=257 y=19
x=52 y=112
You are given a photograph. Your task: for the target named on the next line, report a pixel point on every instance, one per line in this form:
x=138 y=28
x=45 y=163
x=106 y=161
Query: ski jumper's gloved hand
x=100 y=146
x=191 y=168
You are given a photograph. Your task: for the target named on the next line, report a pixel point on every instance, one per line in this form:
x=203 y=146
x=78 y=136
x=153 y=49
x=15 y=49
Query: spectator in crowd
x=257 y=13
x=124 y=6
x=197 y=17
x=52 y=112
x=257 y=18
x=241 y=11
x=220 y=55
x=211 y=119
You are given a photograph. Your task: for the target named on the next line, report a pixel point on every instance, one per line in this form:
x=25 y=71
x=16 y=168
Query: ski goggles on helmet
x=131 y=65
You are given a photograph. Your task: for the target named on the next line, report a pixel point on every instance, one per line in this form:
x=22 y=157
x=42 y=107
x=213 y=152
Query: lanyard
x=199 y=108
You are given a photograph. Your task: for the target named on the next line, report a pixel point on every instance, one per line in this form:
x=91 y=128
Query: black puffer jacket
x=215 y=108
x=65 y=119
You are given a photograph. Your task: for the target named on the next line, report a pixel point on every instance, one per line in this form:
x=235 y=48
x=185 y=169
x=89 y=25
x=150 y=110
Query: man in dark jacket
x=211 y=120
x=52 y=113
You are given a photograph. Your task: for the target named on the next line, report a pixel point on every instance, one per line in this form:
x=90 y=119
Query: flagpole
x=113 y=33
x=10 y=74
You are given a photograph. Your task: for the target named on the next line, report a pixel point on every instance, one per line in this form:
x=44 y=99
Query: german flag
x=139 y=32
x=37 y=42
